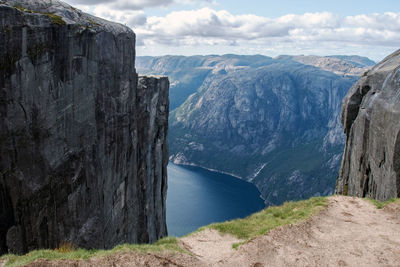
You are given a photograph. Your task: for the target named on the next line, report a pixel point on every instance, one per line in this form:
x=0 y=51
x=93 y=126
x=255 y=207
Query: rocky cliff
x=370 y=115
x=83 y=149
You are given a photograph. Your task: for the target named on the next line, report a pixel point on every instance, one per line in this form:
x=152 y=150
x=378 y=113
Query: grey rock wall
x=153 y=102
x=83 y=150
x=371 y=119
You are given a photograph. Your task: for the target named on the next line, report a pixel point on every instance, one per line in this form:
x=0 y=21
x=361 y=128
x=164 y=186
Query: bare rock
x=370 y=115
x=75 y=162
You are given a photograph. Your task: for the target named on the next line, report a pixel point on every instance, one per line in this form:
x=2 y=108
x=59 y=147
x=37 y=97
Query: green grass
x=257 y=224
x=21 y=8
x=169 y=244
x=262 y=222
x=93 y=22
x=382 y=204
x=54 y=18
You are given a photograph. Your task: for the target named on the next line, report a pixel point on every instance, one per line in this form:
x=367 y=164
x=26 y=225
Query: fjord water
x=198 y=197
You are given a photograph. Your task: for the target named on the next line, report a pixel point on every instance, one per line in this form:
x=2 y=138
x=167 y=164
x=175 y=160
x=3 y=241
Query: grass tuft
x=382 y=204
x=14 y=260
x=67 y=251
x=66 y=247
x=93 y=22
x=346 y=190
x=20 y=8
x=262 y=222
x=54 y=18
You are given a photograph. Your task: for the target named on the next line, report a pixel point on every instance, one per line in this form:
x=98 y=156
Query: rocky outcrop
x=152 y=116
x=83 y=149
x=370 y=116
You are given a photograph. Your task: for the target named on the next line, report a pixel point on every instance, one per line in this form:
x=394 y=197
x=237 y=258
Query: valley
x=269 y=142
x=272 y=121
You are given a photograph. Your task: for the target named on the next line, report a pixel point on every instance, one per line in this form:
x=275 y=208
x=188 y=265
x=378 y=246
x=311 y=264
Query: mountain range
x=274 y=122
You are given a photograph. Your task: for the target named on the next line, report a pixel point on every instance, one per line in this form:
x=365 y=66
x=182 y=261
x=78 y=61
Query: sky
x=280 y=27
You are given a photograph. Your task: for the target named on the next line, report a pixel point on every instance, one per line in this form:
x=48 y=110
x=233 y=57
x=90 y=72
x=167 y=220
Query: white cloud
x=134 y=4
x=206 y=27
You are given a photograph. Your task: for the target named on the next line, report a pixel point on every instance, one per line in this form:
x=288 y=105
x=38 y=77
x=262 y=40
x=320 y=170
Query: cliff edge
x=83 y=148
x=370 y=116
x=321 y=238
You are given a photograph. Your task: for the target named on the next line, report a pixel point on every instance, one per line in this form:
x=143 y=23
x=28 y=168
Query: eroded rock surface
x=83 y=149
x=370 y=115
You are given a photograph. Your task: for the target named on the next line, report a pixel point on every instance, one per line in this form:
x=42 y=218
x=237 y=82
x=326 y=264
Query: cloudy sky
x=191 y=27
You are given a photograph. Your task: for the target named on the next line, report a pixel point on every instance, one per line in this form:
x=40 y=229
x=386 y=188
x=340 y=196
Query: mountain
x=187 y=74
x=341 y=65
x=370 y=115
x=356 y=60
x=83 y=148
x=273 y=122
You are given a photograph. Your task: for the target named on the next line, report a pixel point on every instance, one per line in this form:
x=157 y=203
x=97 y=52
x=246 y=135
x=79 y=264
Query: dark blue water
x=198 y=197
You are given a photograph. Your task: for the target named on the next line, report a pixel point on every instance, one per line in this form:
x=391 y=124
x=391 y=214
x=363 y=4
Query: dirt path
x=210 y=246
x=350 y=232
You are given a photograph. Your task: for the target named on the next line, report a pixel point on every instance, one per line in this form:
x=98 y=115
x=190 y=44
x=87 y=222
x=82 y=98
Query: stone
x=370 y=116
x=83 y=149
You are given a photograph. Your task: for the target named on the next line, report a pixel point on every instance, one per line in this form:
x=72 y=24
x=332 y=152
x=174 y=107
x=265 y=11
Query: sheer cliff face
x=370 y=115
x=83 y=148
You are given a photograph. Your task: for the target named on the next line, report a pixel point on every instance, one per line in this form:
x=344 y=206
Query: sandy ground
x=210 y=247
x=349 y=232
x=125 y=260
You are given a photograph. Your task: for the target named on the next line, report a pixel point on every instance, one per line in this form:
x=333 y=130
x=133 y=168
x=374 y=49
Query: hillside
x=349 y=232
x=273 y=122
x=187 y=74
x=346 y=232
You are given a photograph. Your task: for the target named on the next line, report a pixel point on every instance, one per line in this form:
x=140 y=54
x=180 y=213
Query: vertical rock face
x=371 y=119
x=83 y=148
x=152 y=101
